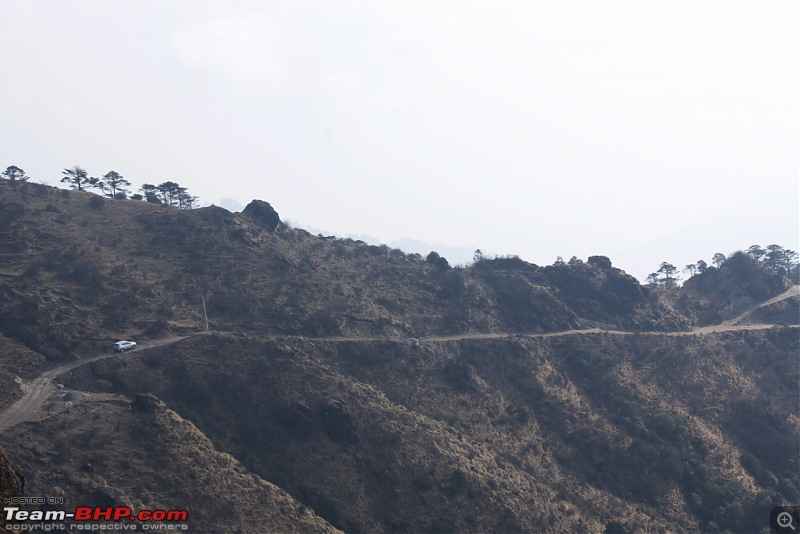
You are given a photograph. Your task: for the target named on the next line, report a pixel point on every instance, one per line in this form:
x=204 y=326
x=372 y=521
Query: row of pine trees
x=114 y=185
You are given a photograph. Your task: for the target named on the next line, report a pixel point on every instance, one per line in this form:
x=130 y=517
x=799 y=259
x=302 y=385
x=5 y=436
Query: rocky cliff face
x=12 y=483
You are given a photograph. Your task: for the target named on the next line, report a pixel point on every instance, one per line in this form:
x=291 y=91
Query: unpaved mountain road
x=41 y=387
x=727 y=326
x=794 y=291
x=540 y=335
x=38 y=391
x=696 y=332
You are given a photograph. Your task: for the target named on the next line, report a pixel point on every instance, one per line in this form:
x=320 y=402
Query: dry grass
x=392 y=434
x=103 y=452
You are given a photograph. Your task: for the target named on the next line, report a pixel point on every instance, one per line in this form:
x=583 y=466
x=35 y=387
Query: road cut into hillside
x=41 y=388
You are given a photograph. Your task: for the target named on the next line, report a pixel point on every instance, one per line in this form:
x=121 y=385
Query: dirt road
x=41 y=387
x=38 y=391
x=792 y=292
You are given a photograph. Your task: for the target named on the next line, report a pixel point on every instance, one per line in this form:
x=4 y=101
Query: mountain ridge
x=383 y=391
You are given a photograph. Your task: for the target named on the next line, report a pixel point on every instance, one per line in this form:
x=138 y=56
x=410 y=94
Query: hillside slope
x=80 y=271
x=496 y=435
x=111 y=451
x=356 y=387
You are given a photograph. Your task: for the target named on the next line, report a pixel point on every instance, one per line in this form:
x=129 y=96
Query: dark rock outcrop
x=338 y=423
x=262 y=213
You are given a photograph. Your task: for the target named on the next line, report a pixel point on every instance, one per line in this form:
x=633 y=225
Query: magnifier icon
x=784 y=520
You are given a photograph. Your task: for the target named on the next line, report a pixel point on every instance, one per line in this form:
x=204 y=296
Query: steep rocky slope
x=12 y=484
x=111 y=451
x=516 y=434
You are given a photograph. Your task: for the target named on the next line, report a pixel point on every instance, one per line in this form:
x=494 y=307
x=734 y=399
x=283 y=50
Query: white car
x=122 y=346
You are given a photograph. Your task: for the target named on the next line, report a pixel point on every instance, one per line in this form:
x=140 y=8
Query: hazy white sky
x=645 y=131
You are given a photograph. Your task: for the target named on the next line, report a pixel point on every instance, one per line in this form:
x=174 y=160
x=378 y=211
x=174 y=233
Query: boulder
x=262 y=214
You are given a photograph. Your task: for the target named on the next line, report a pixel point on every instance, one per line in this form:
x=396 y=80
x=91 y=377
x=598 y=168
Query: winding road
x=39 y=389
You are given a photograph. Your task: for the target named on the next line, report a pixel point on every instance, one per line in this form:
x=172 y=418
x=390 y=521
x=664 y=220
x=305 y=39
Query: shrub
x=458 y=375
x=453 y=286
x=601 y=262
x=437 y=261
x=103 y=385
x=85 y=273
x=519 y=413
x=96 y=203
x=457 y=484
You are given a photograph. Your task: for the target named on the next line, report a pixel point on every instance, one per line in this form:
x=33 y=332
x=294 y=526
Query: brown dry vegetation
x=502 y=435
x=17 y=363
x=75 y=276
x=112 y=451
x=12 y=483
x=317 y=378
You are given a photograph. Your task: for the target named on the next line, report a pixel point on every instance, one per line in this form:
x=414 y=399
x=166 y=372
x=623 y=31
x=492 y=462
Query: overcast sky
x=644 y=131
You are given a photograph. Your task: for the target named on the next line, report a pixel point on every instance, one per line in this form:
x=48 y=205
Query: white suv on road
x=122 y=346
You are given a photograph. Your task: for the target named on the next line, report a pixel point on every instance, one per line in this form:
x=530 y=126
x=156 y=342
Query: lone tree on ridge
x=76 y=177
x=114 y=185
x=14 y=173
